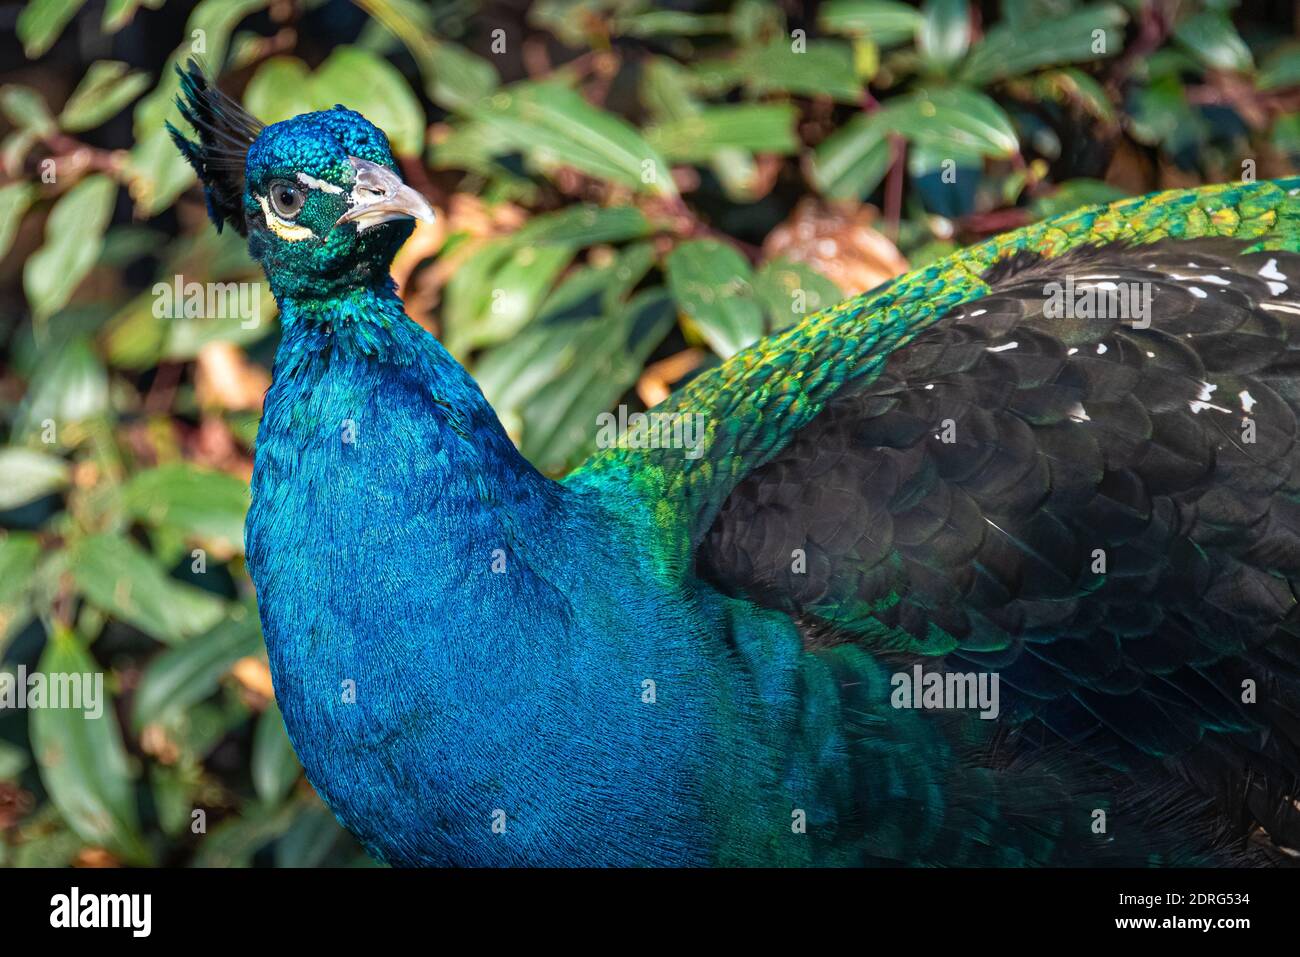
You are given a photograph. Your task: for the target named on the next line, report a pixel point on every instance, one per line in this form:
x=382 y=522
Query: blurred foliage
x=628 y=192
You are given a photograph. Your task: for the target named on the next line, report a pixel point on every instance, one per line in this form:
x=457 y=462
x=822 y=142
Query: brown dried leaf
x=254 y=675
x=658 y=378
x=837 y=239
x=225 y=379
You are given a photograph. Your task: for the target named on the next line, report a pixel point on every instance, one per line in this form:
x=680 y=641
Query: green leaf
x=1281 y=69
x=13 y=761
x=953 y=119
x=158 y=172
x=883 y=21
x=206 y=504
x=1213 y=40
x=1014 y=49
x=74 y=235
x=26 y=109
x=1159 y=114
x=819 y=67
x=590 y=297
x=123 y=580
x=373 y=87
x=792 y=291
x=1286 y=134
x=454 y=78
x=234 y=842
x=19 y=552
x=283 y=87
x=711 y=282
x=173 y=798
x=1074 y=193
x=585 y=349
x=559 y=423
x=554 y=126
x=667 y=23
x=757 y=128
x=666 y=90
x=584 y=225
x=944 y=35
x=41 y=22
x=68 y=385
x=275 y=767
x=118 y=13
x=212 y=22
x=851 y=162
x=280 y=89
x=499 y=290
x=28 y=475
x=182 y=676
x=15 y=198
x=505 y=299
x=105 y=90
x=308 y=843
x=82 y=762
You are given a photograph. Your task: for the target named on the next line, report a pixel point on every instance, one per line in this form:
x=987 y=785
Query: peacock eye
x=286 y=199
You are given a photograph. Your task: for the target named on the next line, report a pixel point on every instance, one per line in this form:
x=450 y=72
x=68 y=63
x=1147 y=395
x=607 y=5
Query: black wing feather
x=1070 y=438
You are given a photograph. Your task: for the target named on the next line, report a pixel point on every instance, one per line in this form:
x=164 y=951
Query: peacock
x=993 y=565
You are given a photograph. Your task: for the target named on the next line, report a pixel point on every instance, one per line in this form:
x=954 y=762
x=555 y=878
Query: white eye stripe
x=311 y=182
x=286 y=231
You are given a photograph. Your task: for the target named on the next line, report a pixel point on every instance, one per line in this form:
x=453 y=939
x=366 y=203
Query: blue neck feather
x=459 y=645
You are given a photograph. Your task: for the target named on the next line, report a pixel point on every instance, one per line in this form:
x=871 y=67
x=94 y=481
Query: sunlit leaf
x=819 y=67
x=28 y=475
x=15 y=198
x=74 y=235
x=41 y=22
x=1213 y=39
x=1281 y=68
x=944 y=34
x=280 y=89
x=284 y=87
x=105 y=90
x=954 y=118
x=118 y=13
x=556 y=127
x=373 y=87
x=26 y=109
x=885 y=22
x=500 y=289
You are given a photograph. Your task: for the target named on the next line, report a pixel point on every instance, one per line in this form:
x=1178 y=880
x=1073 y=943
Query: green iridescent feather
x=761 y=396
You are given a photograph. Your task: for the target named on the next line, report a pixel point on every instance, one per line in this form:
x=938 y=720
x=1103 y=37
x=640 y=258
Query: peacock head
x=318 y=196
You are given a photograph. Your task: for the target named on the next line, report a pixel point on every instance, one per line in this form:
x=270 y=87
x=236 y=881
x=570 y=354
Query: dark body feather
x=1104 y=515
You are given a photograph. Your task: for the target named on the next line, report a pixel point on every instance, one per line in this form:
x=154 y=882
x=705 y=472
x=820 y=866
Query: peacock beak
x=380 y=196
